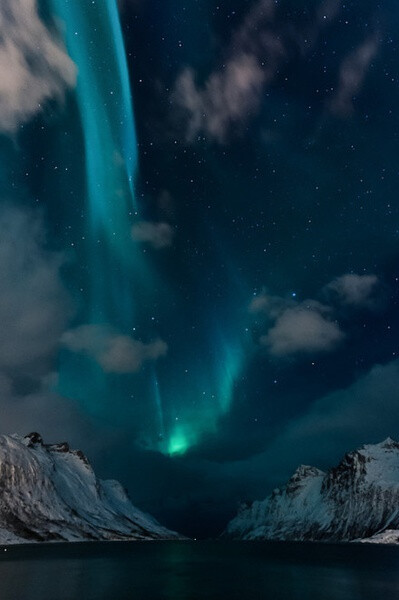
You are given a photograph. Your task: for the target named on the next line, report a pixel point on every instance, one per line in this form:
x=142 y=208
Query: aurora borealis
x=203 y=199
x=121 y=279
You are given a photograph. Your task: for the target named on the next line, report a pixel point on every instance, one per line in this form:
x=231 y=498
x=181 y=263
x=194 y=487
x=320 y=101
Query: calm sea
x=199 y=571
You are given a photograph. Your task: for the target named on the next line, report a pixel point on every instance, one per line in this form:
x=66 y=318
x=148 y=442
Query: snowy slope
x=357 y=499
x=389 y=536
x=50 y=493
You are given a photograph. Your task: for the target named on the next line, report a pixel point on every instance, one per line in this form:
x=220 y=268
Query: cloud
x=56 y=418
x=225 y=99
x=269 y=306
x=233 y=93
x=34 y=311
x=303 y=328
x=34 y=306
x=364 y=412
x=114 y=352
x=157 y=235
x=355 y=290
x=352 y=74
x=34 y=67
x=310 y=326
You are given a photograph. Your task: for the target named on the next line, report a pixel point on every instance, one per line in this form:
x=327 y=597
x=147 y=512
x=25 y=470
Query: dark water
x=199 y=570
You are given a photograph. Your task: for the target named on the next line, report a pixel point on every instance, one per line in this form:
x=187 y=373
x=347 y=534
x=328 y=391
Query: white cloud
x=226 y=98
x=157 y=235
x=34 y=306
x=233 y=92
x=352 y=75
x=269 y=306
x=301 y=327
x=355 y=290
x=34 y=67
x=34 y=311
x=304 y=328
x=114 y=352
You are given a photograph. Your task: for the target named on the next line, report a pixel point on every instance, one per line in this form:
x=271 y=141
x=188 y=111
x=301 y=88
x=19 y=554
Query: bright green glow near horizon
x=192 y=423
x=177 y=444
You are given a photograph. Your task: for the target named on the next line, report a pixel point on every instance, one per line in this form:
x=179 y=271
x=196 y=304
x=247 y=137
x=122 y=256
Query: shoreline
x=222 y=542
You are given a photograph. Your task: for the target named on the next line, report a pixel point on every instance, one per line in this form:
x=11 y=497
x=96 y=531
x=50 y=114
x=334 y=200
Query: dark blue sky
x=219 y=277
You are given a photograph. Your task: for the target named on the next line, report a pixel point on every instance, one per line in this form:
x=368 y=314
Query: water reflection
x=198 y=571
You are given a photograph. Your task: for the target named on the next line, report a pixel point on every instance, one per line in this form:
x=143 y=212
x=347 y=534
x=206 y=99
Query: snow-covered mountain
x=357 y=500
x=50 y=493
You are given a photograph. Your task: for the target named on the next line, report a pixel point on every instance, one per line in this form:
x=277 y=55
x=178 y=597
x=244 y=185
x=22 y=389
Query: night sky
x=199 y=229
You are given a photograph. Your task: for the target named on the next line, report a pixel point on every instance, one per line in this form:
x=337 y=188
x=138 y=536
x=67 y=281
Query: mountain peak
x=49 y=492
x=389 y=443
x=305 y=471
x=32 y=438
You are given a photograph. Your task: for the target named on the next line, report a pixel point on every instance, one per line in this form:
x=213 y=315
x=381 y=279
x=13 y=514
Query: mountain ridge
x=356 y=500
x=49 y=492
